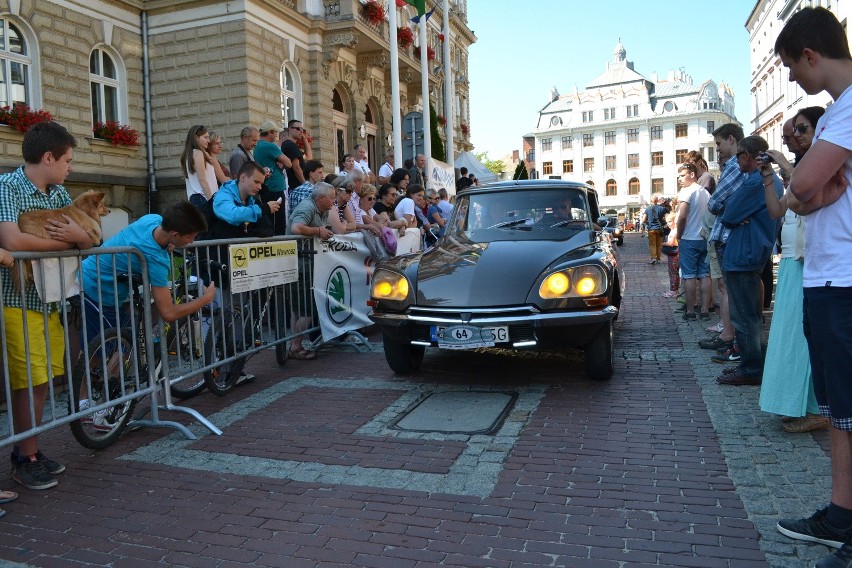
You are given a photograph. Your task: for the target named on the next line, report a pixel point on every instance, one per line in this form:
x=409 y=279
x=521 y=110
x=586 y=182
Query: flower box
x=430 y=53
x=373 y=12
x=404 y=37
x=21 y=117
x=116 y=133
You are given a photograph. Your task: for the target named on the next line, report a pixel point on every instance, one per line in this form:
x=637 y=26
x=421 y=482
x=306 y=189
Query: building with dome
x=625 y=133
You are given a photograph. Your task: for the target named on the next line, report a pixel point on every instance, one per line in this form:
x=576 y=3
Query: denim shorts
x=828 y=329
x=693 y=259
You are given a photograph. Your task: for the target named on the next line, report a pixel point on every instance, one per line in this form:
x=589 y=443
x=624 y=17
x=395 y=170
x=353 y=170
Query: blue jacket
x=750 y=244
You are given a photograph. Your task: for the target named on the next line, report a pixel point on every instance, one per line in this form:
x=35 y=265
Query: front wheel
x=221 y=344
x=599 y=355
x=181 y=350
x=403 y=358
x=114 y=356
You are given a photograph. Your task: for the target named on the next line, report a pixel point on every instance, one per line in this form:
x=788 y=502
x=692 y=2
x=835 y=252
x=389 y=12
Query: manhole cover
x=459 y=412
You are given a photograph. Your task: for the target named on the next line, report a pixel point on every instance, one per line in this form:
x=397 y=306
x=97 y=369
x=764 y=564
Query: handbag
x=388 y=240
x=670 y=250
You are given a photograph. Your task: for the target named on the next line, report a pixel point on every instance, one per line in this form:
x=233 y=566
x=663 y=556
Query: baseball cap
x=269 y=126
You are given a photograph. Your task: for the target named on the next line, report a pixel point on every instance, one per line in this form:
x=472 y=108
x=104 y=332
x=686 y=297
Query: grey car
x=521 y=266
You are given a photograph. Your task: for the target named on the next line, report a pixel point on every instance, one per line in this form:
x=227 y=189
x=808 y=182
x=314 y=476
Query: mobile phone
x=279 y=200
x=765 y=158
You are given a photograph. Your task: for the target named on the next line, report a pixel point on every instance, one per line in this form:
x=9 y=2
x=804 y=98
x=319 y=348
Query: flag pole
x=424 y=83
x=449 y=86
x=394 y=72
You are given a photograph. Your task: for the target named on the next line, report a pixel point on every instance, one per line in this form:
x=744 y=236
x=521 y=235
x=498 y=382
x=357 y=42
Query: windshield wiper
x=568 y=222
x=516 y=224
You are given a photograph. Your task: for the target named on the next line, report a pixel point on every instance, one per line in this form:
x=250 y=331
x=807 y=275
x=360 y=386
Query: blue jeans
x=747 y=317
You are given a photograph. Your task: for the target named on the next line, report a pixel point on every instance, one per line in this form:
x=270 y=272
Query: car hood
x=500 y=273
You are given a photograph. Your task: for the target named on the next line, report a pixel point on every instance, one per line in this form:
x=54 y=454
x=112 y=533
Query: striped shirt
x=730 y=181
x=19 y=195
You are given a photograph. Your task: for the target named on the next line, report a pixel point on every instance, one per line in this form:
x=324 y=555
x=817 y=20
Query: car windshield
x=529 y=214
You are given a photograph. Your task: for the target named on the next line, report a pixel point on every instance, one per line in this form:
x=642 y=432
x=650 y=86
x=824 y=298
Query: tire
x=181 y=344
x=281 y=353
x=219 y=345
x=403 y=358
x=113 y=421
x=599 y=354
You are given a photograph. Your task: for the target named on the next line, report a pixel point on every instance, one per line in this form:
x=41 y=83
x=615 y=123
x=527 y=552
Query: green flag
x=419 y=4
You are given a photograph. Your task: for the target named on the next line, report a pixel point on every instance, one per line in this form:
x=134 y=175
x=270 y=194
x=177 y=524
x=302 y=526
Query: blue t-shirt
x=139 y=234
x=436 y=209
x=266 y=154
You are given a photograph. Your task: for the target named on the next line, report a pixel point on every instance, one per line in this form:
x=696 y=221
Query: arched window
x=611 y=188
x=291 y=93
x=15 y=66
x=105 y=83
x=633 y=186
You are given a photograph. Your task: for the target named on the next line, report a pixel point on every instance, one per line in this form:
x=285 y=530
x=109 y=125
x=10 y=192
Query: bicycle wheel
x=221 y=344
x=103 y=427
x=181 y=350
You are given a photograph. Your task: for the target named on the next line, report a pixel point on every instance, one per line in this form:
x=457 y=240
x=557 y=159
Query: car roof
x=515 y=185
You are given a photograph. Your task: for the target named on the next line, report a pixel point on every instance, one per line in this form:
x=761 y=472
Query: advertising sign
x=260 y=265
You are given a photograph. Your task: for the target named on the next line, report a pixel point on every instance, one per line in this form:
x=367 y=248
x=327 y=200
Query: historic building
x=774 y=98
x=625 y=133
x=221 y=64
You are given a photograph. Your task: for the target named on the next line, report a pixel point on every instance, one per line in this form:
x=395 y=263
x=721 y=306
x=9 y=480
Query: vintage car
x=612 y=225
x=521 y=266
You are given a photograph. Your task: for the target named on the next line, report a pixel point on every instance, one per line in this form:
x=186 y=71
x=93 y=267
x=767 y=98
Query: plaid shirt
x=730 y=181
x=19 y=195
x=297 y=194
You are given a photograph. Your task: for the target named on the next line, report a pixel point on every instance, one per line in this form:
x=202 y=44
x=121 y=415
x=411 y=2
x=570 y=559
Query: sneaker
x=814 y=529
x=688 y=316
x=98 y=420
x=52 y=467
x=840 y=559
x=716 y=343
x=730 y=355
x=33 y=475
x=653 y=261
x=704 y=316
x=737 y=378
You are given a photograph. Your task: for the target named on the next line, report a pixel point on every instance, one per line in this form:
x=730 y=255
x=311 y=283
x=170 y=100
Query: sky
x=526 y=48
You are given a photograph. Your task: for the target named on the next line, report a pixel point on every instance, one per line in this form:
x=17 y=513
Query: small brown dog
x=86 y=210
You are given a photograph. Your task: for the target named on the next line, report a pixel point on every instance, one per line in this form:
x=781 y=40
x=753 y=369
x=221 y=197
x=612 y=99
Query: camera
x=765 y=158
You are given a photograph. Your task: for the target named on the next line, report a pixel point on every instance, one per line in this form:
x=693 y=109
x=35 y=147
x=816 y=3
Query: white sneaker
x=97 y=420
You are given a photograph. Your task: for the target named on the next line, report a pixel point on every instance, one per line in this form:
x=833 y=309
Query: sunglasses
x=199 y=130
x=371 y=199
x=801 y=128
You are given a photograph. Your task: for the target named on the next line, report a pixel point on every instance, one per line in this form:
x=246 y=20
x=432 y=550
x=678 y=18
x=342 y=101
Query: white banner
x=261 y=265
x=343 y=270
x=442 y=175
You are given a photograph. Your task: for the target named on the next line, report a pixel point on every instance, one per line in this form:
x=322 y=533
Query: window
x=680 y=156
x=632 y=135
x=547 y=168
x=633 y=187
x=588 y=164
x=632 y=160
x=610 y=163
x=588 y=115
x=291 y=97
x=568 y=166
x=711 y=154
x=632 y=111
x=656 y=185
x=609 y=137
x=681 y=130
x=711 y=126
x=588 y=139
x=609 y=114
x=555 y=121
x=15 y=65
x=546 y=144
x=104 y=83
x=531 y=156
x=567 y=142
x=656 y=158
x=611 y=188
x=656 y=133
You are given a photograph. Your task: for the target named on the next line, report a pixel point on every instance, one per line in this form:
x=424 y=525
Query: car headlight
x=389 y=286
x=577 y=282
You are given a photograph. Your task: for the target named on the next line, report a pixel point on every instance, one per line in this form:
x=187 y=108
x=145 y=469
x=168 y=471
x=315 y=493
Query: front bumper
x=528 y=327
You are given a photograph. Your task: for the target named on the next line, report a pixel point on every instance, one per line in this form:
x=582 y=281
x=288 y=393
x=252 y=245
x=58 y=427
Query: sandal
x=302 y=355
x=7 y=497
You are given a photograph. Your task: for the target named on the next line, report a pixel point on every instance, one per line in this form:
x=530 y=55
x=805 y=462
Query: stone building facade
x=625 y=134
x=224 y=65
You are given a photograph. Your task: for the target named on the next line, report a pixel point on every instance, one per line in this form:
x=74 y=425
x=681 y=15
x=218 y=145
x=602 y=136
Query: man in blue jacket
x=749 y=246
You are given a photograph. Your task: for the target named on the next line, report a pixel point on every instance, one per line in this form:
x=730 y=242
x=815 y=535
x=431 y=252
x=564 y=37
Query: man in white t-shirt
x=694 y=268
x=814 y=48
x=362 y=164
x=386 y=171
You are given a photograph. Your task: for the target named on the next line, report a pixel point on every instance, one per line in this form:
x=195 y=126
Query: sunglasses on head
x=199 y=130
x=801 y=128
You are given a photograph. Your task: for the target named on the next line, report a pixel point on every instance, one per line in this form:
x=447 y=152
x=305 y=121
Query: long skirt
x=787 y=387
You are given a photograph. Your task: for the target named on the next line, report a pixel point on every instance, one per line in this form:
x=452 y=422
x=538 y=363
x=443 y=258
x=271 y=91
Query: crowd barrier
x=265 y=287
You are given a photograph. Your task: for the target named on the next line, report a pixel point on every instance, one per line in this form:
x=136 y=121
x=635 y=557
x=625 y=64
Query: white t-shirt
x=696 y=197
x=193 y=186
x=386 y=171
x=404 y=207
x=363 y=166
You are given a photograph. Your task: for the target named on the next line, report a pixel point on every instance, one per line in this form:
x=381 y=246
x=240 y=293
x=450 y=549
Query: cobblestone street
x=660 y=466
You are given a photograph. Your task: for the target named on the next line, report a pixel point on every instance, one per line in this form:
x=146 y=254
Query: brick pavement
x=657 y=467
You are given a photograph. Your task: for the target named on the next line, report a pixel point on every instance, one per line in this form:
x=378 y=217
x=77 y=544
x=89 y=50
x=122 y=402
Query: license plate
x=469 y=336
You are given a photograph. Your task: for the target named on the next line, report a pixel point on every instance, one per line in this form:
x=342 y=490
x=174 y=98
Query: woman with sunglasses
x=197 y=166
x=343 y=185
x=364 y=215
x=787 y=387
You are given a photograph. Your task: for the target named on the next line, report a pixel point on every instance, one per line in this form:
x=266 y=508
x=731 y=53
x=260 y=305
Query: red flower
x=21 y=117
x=464 y=128
x=430 y=53
x=442 y=120
x=116 y=133
x=404 y=37
x=373 y=12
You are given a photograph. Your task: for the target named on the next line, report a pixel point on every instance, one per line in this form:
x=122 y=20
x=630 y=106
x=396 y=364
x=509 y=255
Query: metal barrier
x=238 y=325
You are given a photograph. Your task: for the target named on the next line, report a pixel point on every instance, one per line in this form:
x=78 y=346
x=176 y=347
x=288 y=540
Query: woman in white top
x=364 y=219
x=197 y=166
x=214 y=149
